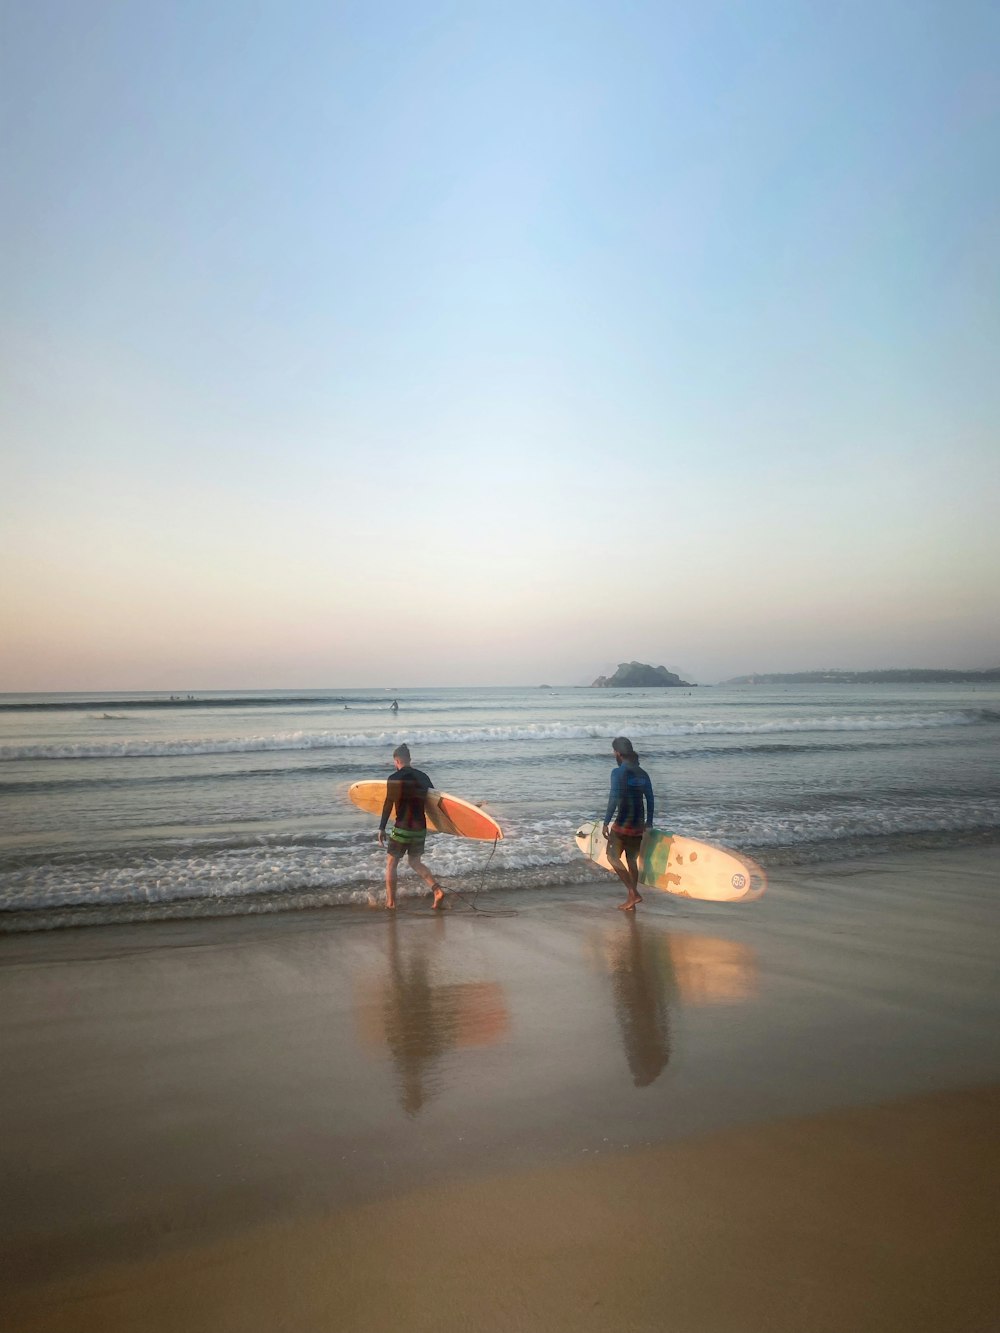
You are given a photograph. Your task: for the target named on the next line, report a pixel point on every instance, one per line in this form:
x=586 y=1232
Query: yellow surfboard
x=683 y=867
x=445 y=813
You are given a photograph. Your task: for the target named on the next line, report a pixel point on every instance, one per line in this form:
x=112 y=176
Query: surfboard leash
x=484 y=911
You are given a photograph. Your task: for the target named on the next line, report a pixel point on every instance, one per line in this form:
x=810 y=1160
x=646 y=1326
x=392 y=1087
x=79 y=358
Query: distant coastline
x=892 y=676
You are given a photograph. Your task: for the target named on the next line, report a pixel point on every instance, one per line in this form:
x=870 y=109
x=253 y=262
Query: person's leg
x=615 y=849
x=427 y=876
x=391 y=868
x=632 y=857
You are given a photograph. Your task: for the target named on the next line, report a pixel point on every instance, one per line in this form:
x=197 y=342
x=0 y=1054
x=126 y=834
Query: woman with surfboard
x=630 y=805
x=406 y=793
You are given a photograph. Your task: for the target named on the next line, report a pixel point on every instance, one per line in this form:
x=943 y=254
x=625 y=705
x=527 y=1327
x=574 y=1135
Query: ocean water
x=130 y=806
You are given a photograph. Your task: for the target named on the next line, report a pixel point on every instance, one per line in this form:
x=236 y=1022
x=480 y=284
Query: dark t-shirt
x=406 y=791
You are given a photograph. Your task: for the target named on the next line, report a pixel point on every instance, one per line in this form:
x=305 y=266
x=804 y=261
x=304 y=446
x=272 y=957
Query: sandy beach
x=775 y=1117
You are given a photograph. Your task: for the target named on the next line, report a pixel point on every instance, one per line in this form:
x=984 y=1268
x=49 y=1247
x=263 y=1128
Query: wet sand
x=781 y=1116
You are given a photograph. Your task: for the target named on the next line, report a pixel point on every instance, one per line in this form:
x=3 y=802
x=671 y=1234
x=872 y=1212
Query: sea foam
x=421 y=736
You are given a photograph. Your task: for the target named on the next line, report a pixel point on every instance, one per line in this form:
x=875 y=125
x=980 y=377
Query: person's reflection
x=653 y=970
x=421 y=1021
x=418 y=1029
x=642 y=984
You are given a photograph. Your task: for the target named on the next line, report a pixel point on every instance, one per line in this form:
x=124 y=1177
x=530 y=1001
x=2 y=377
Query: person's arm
x=648 y=793
x=613 y=799
x=391 y=796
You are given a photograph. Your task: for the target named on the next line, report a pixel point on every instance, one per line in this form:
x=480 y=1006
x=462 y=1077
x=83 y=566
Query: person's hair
x=623 y=746
x=402 y=752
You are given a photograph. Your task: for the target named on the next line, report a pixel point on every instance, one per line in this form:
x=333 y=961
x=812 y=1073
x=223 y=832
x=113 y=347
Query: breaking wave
x=332 y=740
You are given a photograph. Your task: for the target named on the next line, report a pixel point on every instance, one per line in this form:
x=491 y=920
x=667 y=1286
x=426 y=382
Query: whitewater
x=124 y=807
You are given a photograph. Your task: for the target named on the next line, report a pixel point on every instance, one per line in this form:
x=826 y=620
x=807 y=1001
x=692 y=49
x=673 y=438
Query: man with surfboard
x=630 y=806
x=406 y=793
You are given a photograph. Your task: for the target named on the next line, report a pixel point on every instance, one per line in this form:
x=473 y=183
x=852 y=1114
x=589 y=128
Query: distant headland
x=893 y=676
x=631 y=675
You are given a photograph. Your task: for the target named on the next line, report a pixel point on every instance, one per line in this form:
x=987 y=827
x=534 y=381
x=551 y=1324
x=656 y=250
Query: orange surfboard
x=445 y=813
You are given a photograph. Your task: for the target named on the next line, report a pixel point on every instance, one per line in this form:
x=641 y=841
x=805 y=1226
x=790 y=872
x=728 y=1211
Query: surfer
x=394 y=706
x=631 y=790
x=406 y=793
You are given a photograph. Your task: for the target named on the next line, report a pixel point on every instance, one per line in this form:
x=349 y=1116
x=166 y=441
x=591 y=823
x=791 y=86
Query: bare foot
x=390 y=906
x=629 y=904
x=438 y=899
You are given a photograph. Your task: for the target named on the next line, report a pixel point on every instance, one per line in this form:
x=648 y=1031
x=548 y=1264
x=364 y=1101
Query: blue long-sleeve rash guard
x=630 y=788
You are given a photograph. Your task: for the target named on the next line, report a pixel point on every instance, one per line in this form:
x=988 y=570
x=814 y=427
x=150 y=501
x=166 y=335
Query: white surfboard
x=683 y=866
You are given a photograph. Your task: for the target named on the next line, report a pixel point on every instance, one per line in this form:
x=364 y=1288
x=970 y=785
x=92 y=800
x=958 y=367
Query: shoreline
x=577 y=877
x=182 y=1094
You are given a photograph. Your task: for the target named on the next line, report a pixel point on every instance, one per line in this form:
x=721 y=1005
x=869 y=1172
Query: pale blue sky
x=411 y=343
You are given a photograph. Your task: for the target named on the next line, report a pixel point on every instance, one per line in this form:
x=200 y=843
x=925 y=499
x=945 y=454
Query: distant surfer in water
x=629 y=815
x=406 y=793
x=394 y=706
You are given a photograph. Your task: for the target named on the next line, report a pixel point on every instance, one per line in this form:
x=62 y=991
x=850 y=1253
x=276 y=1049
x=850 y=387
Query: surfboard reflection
x=422 y=1020
x=709 y=970
x=652 y=970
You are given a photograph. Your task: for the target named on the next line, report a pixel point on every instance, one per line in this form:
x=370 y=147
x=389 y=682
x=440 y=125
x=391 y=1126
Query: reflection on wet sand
x=713 y=971
x=421 y=1020
x=651 y=969
x=642 y=984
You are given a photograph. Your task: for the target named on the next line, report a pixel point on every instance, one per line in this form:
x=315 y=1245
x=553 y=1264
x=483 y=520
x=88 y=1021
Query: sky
x=496 y=343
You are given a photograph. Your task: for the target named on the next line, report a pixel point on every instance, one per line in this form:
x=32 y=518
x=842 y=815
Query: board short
x=629 y=843
x=410 y=842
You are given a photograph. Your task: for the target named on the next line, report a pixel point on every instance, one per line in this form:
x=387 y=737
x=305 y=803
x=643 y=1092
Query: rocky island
x=632 y=675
